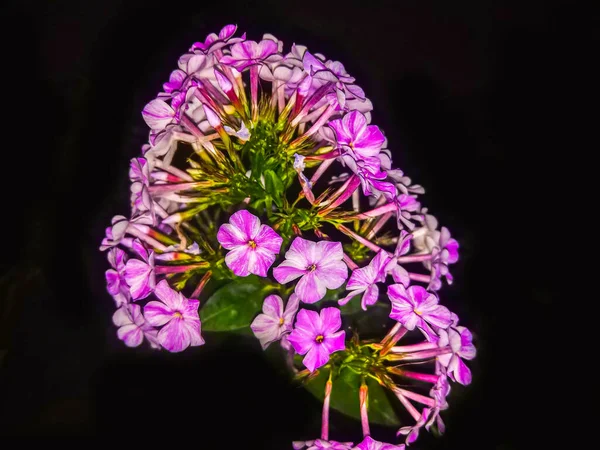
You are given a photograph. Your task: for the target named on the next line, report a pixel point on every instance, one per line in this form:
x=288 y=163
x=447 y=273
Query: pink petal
x=238 y=260
x=174 y=336
x=331 y=320
x=266 y=48
x=227 y=31
x=273 y=306
x=310 y=288
x=418 y=295
x=157 y=313
x=172 y=298
x=301 y=253
x=288 y=271
x=291 y=308
x=247 y=223
x=260 y=260
x=335 y=342
x=370 y=297
x=158 y=114
x=341 y=135
x=462 y=373
x=355 y=123
x=440 y=317
x=113 y=281
x=332 y=274
x=131 y=335
x=268 y=239
x=266 y=329
x=329 y=251
x=140 y=278
x=230 y=237
x=121 y=317
x=316 y=357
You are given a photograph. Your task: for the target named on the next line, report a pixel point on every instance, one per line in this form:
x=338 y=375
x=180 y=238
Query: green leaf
x=234 y=306
x=344 y=397
x=274 y=186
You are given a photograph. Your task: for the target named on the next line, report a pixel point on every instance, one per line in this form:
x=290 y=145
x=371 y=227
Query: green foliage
x=235 y=305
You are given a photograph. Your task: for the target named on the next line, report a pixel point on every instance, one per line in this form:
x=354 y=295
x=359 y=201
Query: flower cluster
x=232 y=184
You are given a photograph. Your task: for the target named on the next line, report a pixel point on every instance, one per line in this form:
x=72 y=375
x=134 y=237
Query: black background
x=468 y=94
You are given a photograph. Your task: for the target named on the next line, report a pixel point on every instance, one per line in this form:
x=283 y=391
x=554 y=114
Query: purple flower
x=253 y=246
x=178 y=314
x=249 y=53
x=139 y=274
x=274 y=323
x=460 y=340
x=364 y=280
x=321 y=443
x=316 y=335
x=319 y=264
x=412 y=433
x=353 y=134
x=417 y=307
x=115 y=232
x=369 y=443
x=132 y=326
x=115 y=279
x=214 y=42
x=407 y=204
x=176 y=80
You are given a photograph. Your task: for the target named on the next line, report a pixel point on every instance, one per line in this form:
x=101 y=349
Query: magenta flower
x=316 y=335
x=274 y=323
x=253 y=246
x=353 y=134
x=363 y=281
x=369 y=443
x=460 y=340
x=158 y=114
x=178 y=314
x=417 y=307
x=139 y=274
x=319 y=264
x=132 y=326
x=249 y=53
x=214 y=42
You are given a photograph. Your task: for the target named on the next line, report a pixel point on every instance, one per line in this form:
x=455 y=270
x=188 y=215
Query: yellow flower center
x=319 y=338
x=177 y=315
x=312 y=268
x=252 y=244
x=281 y=322
x=418 y=312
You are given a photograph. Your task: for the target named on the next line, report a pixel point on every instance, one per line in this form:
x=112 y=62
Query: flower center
x=418 y=312
x=312 y=268
x=281 y=322
x=319 y=339
x=252 y=244
x=177 y=315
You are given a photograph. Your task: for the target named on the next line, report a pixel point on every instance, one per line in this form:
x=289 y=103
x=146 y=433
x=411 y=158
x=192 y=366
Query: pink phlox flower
x=414 y=306
x=460 y=340
x=133 y=327
x=406 y=206
x=355 y=136
x=115 y=277
x=275 y=322
x=139 y=273
x=364 y=281
x=249 y=53
x=319 y=265
x=253 y=247
x=178 y=317
x=369 y=443
x=316 y=335
x=412 y=433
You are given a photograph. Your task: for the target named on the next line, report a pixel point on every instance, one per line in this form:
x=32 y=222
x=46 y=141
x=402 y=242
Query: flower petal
x=331 y=320
x=268 y=239
x=310 y=288
x=230 y=236
x=131 y=335
x=288 y=271
x=174 y=336
x=157 y=313
x=247 y=223
x=238 y=260
x=316 y=357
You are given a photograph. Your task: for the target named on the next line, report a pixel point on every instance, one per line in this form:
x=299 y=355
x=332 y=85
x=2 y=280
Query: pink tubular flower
x=353 y=134
x=363 y=281
x=274 y=323
x=178 y=314
x=139 y=274
x=417 y=307
x=253 y=246
x=317 y=336
x=369 y=443
x=248 y=53
x=132 y=326
x=319 y=264
x=460 y=340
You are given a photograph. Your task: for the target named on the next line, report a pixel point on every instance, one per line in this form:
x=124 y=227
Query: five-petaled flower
x=319 y=264
x=249 y=53
x=253 y=247
x=178 y=314
x=460 y=340
x=274 y=322
x=139 y=273
x=316 y=335
x=132 y=326
x=353 y=134
x=363 y=280
x=417 y=307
